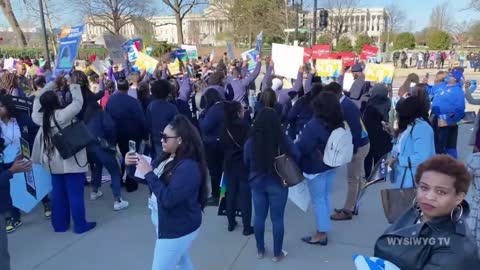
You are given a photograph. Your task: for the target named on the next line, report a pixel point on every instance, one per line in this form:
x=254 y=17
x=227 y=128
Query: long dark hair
x=209 y=98
x=268 y=98
x=408 y=110
x=268 y=140
x=190 y=148
x=7 y=102
x=50 y=103
x=327 y=108
x=231 y=110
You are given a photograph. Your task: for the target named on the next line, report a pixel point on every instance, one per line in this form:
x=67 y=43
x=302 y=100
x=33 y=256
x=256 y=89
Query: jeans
x=171 y=253
x=100 y=158
x=4 y=256
x=320 y=187
x=446 y=140
x=273 y=197
x=67 y=200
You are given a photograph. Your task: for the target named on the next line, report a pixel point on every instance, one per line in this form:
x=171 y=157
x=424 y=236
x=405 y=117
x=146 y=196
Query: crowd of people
x=439 y=59
x=210 y=121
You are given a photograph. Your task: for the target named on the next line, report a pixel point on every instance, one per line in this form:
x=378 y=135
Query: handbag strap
x=231 y=137
x=405 y=173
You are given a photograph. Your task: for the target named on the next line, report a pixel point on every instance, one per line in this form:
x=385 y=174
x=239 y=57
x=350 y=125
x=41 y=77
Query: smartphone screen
x=132 y=146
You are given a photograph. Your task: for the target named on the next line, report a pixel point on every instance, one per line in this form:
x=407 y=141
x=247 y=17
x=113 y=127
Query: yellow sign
x=328 y=67
x=146 y=62
x=174 y=67
x=381 y=73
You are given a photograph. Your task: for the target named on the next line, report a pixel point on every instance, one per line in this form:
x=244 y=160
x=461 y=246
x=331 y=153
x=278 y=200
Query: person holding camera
x=68 y=175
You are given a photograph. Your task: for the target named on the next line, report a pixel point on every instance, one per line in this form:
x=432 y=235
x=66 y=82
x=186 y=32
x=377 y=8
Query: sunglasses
x=165 y=137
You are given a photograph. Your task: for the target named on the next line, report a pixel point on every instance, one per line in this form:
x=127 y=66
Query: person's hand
x=272 y=64
x=391 y=161
x=467 y=85
x=268 y=59
x=301 y=69
x=245 y=63
x=313 y=70
x=20 y=166
x=131 y=159
x=259 y=58
x=143 y=166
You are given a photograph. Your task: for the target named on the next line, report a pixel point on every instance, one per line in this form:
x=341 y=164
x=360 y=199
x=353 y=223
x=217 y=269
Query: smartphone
x=132 y=146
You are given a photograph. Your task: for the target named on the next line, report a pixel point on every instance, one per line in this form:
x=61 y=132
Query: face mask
x=412 y=84
x=447 y=79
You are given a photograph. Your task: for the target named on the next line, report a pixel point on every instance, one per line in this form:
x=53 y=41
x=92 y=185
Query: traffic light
x=323 y=21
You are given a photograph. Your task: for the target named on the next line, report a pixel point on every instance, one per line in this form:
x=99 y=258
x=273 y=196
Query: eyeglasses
x=165 y=137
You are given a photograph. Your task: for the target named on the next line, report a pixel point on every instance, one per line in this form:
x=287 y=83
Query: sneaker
x=47 y=211
x=10 y=227
x=119 y=205
x=95 y=195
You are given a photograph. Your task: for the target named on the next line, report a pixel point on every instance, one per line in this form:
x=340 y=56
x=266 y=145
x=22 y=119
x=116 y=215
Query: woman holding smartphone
x=179 y=192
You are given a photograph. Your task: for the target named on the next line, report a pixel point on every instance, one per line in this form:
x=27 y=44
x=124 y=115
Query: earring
x=452 y=214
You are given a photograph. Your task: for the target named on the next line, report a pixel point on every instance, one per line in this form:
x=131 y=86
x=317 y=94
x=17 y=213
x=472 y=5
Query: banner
x=381 y=73
x=192 y=52
x=307 y=54
x=287 y=59
x=146 y=62
x=348 y=58
x=114 y=45
x=321 y=51
x=328 y=67
x=251 y=57
x=368 y=52
x=70 y=40
x=231 y=54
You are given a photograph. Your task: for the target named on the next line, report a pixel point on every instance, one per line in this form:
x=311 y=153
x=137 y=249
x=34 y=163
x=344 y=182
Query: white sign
x=9 y=64
x=287 y=59
x=300 y=195
x=138 y=174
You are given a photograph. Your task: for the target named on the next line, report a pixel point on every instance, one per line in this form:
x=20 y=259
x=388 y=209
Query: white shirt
x=11 y=133
x=152 y=201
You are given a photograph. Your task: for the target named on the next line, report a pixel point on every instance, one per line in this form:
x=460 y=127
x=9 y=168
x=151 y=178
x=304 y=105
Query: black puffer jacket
x=439 y=244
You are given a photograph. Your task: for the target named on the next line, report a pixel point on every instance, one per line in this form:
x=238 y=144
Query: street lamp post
x=314 y=34
x=44 y=29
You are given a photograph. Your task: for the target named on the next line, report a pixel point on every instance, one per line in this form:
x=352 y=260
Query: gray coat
x=56 y=164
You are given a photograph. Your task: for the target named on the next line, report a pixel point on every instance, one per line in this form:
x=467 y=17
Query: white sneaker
x=119 y=205
x=95 y=195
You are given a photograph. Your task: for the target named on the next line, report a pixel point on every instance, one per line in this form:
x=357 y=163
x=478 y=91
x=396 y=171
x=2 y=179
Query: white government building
x=203 y=28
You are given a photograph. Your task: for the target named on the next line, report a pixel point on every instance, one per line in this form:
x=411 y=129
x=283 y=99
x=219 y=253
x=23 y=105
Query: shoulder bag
x=287 y=169
x=71 y=139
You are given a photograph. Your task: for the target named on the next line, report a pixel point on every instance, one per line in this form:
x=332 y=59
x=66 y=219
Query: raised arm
x=247 y=81
x=468 y=95
x=268 y=76
x=37 y=116
x=69 y=112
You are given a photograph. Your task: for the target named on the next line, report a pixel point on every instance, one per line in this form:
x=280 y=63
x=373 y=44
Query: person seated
x=432 y=234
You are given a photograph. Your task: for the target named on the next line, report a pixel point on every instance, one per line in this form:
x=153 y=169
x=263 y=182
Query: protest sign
x=307 y=54
x=9 y=64
x=114 y=45
x=300 y=195
x=174 y=67
x=27 y=189
x=348 y=58
x=251 y=58
x=70 y=40
x=287 y=59
x=131 y=47
x=321 y=51
x=381 y=73
x=80 y=65
x=192 y=52
x=180 y=54
x=258 y=46
x=328 y=67
x=99 y=67
x=146 y=62
x=231 y=55
x=368 y=52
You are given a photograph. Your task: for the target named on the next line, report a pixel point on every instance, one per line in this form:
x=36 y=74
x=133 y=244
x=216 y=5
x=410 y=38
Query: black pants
x=214 y=155
x=238 y=196
x=16 y=214
x=130 y=184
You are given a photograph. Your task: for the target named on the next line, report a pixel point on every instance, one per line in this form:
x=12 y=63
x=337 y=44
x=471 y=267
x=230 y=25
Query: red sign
x=368 y=52
x=307 y=54
x=321 y=51
x=348 y=58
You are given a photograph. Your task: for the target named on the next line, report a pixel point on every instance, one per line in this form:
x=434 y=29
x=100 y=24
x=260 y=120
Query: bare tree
x=7 y=10
x=181 y=8
x=474 y=4
x=340 y=12
x=441 y=17
x=50 y=8
x=460 y=31
x=113 y=15
x=395 y=19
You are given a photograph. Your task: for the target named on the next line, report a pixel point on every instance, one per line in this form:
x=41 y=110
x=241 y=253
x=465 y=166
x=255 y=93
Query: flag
x=258 y=47
x=231 y=55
